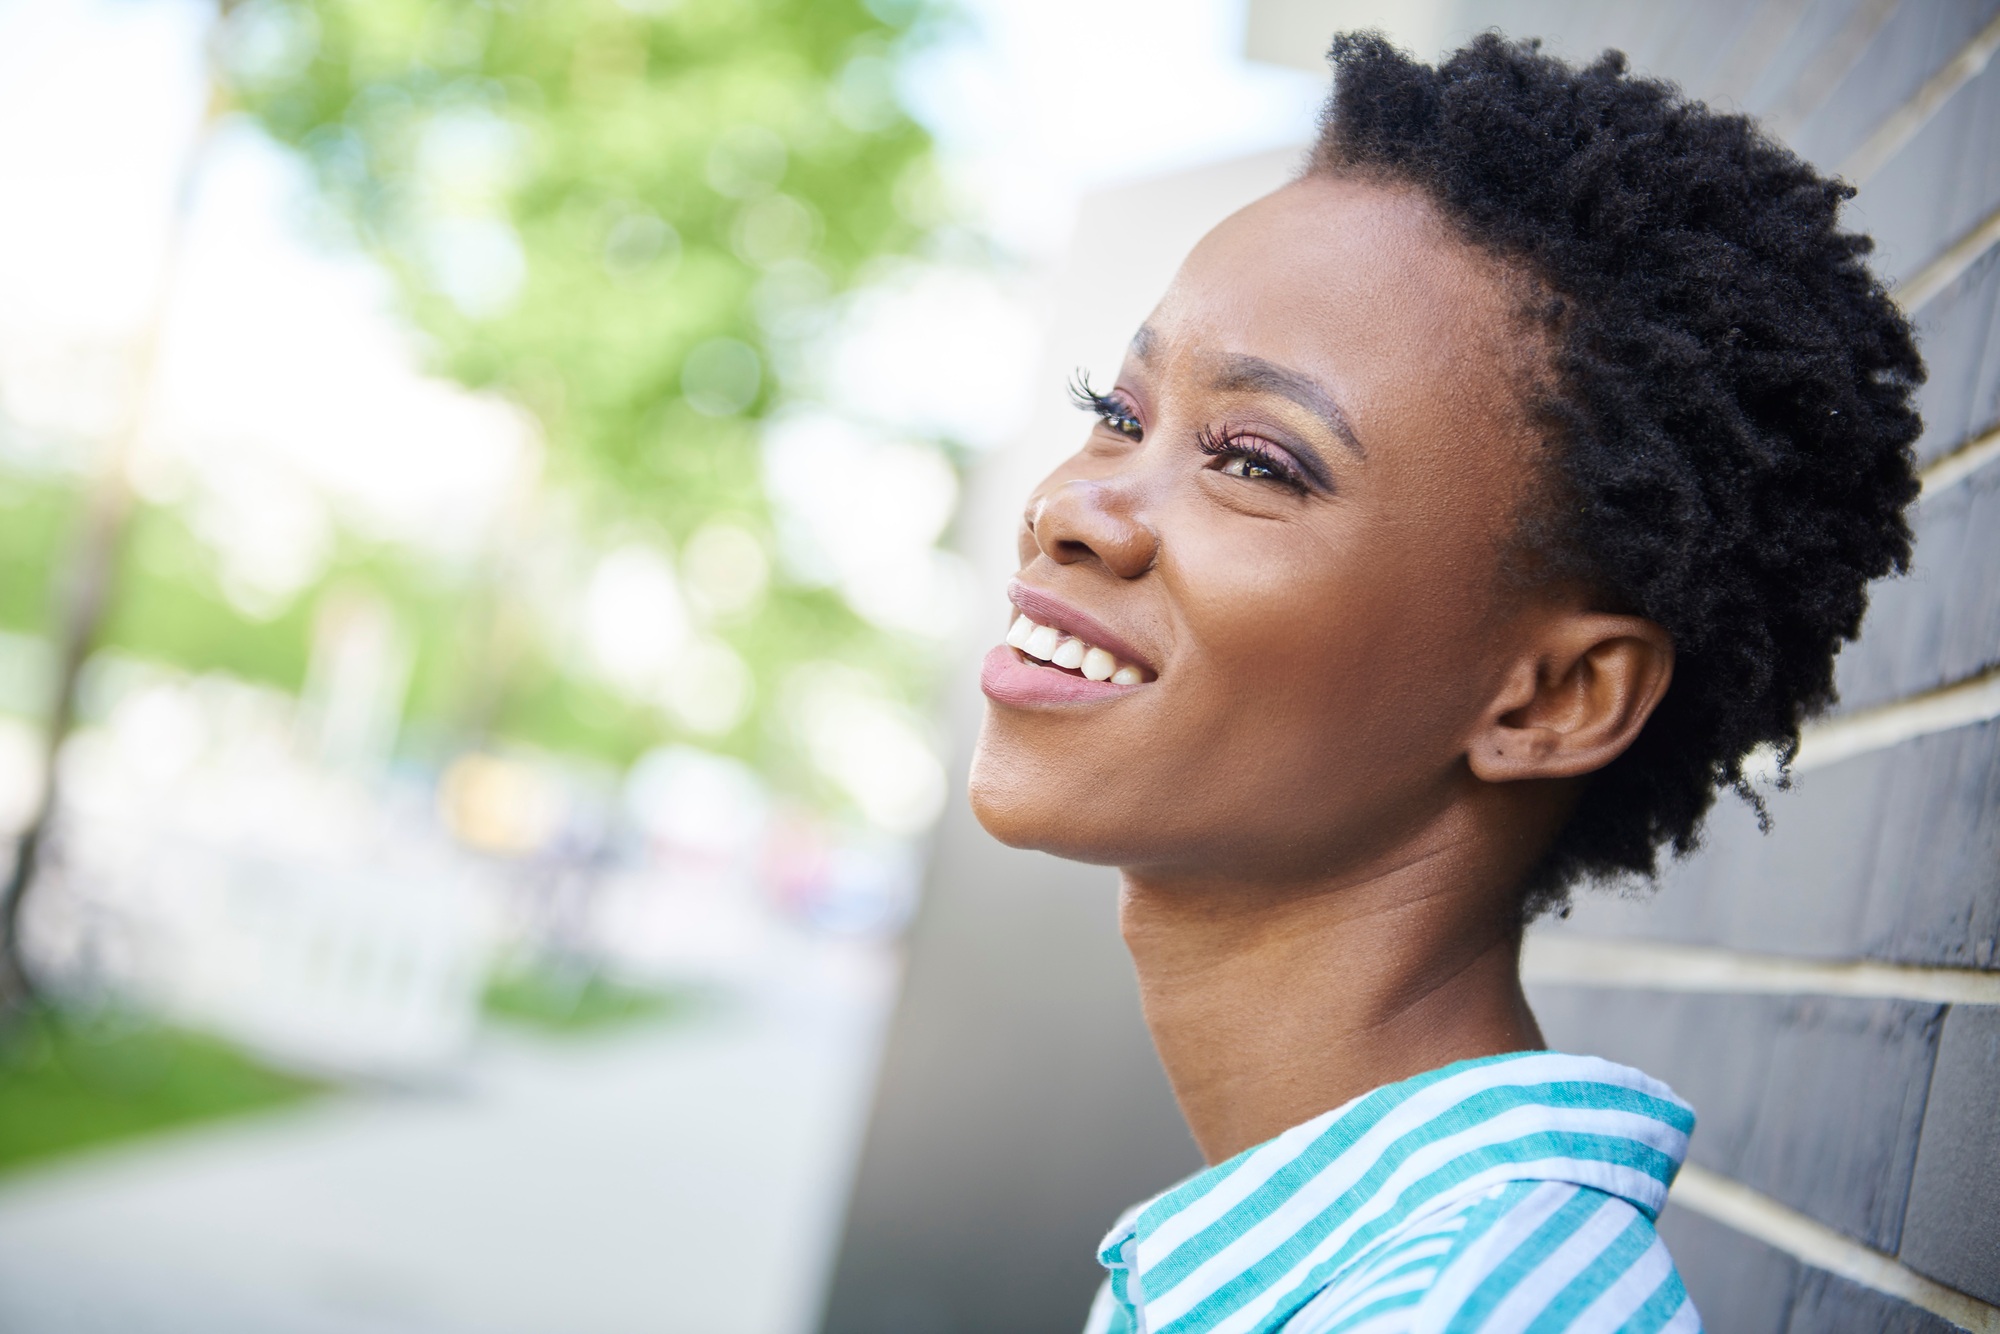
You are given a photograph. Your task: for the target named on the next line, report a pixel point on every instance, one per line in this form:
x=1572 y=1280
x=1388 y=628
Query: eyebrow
x=1241 y=372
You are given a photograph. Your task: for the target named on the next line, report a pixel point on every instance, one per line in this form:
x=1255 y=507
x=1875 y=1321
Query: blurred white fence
x=355 y=968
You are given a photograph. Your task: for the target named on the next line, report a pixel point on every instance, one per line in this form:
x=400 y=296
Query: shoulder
x=1552 y=1255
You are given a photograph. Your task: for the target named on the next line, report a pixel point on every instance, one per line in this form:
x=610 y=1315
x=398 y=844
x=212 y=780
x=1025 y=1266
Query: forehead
x=1361 y=286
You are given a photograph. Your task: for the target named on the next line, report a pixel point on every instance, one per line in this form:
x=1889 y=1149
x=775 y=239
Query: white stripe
x=1389 y=1322
x=1602 y=1177
x=1560 y=958
x=1502 y=1236
x=1316 y=1196
x=1101 y=1307
x=1263 y=1163
x=1353 y=1290
x=1135 y=1290
x=1280 y=1152
x=1414 y=1281
x=1412 y=1114
x=1687 y=1320
x=1539 y=1286
x=1628 y=1293
x=1735 y=1205
x=1121 y=1231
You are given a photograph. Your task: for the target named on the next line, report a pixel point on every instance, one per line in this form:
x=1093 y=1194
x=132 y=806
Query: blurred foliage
x=69 y=1082
x=624 y=217
x=569 y=1001
x=580 y=199
x=37 y=515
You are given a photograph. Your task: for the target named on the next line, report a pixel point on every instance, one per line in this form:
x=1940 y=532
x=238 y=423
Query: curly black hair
x=1728 y=405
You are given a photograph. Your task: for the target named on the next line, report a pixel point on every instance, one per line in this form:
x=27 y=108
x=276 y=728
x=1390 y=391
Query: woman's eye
x=1248 y=465
x=1110 y=409
x=1123 y=423
x=1238 y=455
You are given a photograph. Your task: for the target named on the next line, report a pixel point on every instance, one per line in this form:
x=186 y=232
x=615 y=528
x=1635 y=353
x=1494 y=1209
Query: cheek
x=1349 y=648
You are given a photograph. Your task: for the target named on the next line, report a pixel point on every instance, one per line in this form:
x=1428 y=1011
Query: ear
x=1584 y=685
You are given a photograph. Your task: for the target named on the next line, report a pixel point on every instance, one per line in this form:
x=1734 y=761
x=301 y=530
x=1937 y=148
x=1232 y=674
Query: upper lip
x=1050 y=610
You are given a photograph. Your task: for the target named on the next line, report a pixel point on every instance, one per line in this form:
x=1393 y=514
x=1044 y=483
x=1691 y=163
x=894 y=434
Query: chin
x=1005 y=801
x=1023 y=803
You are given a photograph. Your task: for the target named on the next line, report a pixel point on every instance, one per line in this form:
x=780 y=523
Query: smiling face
x=1285 y=536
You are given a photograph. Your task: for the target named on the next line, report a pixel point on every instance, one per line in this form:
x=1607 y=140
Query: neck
x=1270 y=1007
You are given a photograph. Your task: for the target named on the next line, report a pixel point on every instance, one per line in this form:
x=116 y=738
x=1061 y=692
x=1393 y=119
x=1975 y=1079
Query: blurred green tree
x=615 y=213
x=621 y=215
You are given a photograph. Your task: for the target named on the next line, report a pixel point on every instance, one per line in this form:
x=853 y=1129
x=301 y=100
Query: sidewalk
x=684 y=1178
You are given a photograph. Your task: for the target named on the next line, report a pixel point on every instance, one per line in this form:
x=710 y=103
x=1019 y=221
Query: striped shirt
x=1509 y=1193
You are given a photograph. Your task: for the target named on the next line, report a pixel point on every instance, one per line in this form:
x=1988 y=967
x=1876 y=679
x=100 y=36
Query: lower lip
x=1007 y=678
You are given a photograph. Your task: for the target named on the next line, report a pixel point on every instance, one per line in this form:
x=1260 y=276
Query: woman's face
x=1289 y=519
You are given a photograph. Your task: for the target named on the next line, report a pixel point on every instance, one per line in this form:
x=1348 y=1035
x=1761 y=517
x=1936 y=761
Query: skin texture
x=1360 y=734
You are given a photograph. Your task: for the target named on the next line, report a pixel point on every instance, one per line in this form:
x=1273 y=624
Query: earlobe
x=1576 y=700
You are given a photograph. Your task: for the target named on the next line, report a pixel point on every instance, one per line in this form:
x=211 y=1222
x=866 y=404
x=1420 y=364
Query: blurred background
x=500 y=504
x=482 y=535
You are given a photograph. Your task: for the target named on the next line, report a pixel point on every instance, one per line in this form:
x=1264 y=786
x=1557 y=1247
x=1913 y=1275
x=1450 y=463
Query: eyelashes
x=1242 y=454
x=1114 y=412
x=1248 y=457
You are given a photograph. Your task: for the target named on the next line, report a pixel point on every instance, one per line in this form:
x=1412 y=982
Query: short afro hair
x=1728 y=405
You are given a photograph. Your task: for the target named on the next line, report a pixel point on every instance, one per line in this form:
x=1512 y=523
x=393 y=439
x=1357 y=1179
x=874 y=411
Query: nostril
x=1085 y=518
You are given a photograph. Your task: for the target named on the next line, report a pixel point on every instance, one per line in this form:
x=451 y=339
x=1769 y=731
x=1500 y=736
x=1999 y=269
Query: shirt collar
x=1279 y=1220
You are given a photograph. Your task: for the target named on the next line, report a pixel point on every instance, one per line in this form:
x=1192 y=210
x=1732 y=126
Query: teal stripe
x=1662 y=1306
x=1472 y=1223
x=1396 y=1303
x=1408 y=1266
x=1528 y=1148
x=1388 y=1265
x=1372 y=1108
x=1606 y=1268
x=1250 y=1282
x=1539 y=1245
x=1339 y=1136
x=1483 y=1216
x=1121 y=1288
x=1477 y=1108
x=1459 y=1223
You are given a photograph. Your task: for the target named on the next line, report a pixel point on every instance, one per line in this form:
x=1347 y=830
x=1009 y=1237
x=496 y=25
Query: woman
x=1460 y=521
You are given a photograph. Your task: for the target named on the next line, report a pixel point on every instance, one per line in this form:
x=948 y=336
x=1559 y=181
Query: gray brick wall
x=1876 y=1116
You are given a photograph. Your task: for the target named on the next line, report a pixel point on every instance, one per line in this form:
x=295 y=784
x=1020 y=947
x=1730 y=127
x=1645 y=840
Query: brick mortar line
x=1959 y=463
x=1754 y=1214
x=1629 y=965
x=1934 y=277
x=1770 y=28
x=1901 y=125
x=1829 y=67
x=1976 y=699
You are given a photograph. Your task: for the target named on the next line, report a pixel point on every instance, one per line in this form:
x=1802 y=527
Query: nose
x=1082 y=518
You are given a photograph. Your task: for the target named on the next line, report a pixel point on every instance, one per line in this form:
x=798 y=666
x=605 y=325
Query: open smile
x=1050 y=646
x=1055 y=654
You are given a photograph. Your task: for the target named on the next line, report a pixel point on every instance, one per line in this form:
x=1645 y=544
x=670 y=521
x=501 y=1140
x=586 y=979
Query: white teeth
x=1051 y=645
